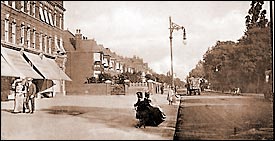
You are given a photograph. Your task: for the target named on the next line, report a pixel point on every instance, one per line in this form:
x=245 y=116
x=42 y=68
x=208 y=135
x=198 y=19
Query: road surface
x=213 y=116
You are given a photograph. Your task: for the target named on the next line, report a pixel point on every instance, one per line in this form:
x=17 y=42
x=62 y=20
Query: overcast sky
x=141 y=28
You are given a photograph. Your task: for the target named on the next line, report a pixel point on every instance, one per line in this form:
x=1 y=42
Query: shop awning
x=47 y=67
x=7 y=70
x=14 y=64
x=57 y=69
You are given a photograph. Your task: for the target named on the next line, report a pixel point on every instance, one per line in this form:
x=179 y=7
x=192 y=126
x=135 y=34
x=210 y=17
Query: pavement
x=86 y=117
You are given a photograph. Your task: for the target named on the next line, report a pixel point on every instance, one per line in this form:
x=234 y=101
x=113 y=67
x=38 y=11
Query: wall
x=91 y=89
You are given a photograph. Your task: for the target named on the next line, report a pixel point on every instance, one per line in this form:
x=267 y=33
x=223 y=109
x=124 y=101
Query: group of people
x=146 y=112
x=25 y=93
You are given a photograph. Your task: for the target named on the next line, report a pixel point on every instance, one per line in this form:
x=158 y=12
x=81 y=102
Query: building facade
x=35 y=30
x=87 y=59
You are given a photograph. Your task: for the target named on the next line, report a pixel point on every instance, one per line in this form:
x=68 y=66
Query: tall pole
x=171 y=31
x=173 y=26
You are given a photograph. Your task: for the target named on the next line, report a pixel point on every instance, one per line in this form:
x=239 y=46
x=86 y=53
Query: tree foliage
x=243 y=64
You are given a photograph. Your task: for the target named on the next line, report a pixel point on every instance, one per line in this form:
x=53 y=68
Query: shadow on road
x=118 y=118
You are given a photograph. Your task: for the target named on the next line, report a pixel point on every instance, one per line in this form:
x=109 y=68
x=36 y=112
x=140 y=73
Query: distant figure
x=170 y=95
x=237 y=91
x=162 y=89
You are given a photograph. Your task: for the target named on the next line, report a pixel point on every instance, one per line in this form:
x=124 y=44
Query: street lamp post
x=173 y=26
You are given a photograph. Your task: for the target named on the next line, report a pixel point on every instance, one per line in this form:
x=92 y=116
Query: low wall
x=91 y=89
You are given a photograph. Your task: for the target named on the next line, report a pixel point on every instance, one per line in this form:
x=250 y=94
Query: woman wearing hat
x=20 y=91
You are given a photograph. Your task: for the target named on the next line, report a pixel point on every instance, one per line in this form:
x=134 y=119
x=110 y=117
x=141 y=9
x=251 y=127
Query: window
x=97 y=57
x=54 y=18
x=28 y=36
x=51 y=18
x=33 y=8
x=13 y=4
x=7 y=28
x=40 y=41
x=34 y=38
x=28 y=7
x=60 y=21
x=42 y=18
x=22 y=6
x=46 y=16
x=13 y=32
x=50 y=45
x=22 y=34
x=61 y=46
x=45 y=44
x=117 y=66
x=57 y=48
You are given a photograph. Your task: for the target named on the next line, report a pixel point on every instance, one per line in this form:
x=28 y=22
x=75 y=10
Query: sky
x=141 y=28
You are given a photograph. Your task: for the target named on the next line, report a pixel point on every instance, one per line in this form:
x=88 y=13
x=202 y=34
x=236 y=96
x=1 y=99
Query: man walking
x=31 y=92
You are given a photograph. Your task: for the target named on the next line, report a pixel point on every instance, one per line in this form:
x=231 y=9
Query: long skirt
x=152 y=116
x=18 y=103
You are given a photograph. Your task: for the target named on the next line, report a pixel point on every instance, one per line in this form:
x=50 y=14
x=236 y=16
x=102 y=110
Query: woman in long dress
x=20 y=91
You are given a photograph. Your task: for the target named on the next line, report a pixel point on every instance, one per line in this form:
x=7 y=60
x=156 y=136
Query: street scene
x=137 y=70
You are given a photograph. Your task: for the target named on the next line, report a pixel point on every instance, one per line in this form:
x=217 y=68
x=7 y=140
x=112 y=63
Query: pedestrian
x=162 y=89
x=20 y=91
x=170 y=95
x=31 y=94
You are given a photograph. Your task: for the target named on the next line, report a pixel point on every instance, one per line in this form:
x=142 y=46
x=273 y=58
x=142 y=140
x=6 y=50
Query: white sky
x=141 y=28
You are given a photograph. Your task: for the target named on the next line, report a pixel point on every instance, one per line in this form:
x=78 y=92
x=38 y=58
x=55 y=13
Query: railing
x=139 y=84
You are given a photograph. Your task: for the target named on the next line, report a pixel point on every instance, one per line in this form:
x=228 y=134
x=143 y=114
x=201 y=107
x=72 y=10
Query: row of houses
x=86 y=58
x=35 y=44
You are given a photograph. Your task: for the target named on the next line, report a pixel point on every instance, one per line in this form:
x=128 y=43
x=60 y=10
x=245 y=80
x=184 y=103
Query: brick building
x=32 y=43
x=88 y=59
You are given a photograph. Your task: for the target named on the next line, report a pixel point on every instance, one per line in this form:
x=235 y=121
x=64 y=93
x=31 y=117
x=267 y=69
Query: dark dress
x=148 y=114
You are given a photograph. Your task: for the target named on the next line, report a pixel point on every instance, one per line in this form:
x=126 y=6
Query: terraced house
x=32 y=44
x=88 y=59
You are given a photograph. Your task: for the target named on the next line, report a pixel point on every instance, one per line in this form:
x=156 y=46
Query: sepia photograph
x=137 y=70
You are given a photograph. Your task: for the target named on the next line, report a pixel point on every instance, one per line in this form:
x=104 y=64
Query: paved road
x=86 y=118
x=221 y=116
